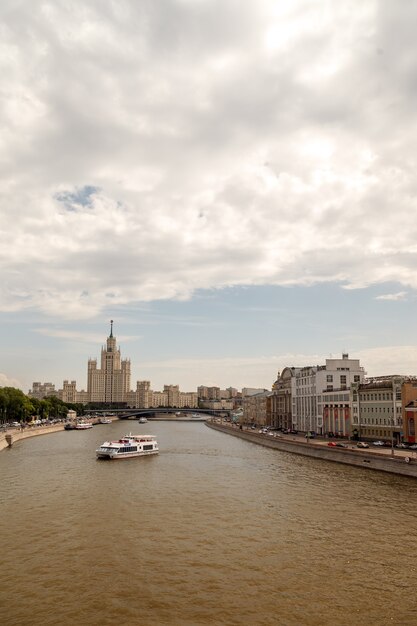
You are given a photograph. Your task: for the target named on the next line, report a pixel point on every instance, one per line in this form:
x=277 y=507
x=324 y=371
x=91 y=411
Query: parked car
x=332 y=444
x=413 y=446
x=402 y=445
x=341 y=445
x=378 y=443
x=362 y=444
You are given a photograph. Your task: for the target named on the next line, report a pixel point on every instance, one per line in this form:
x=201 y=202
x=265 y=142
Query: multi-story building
x=42 y=390
x=171 y=396
x=382 y=408
x=251 y=391
x=69 y=392
x=309 y=399
x=281 y=399
x=111 y=383
x=209 y=393
x=188 y=400
x=256 y=408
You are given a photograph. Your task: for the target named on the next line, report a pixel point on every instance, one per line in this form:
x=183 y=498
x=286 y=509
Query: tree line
x=15 y=406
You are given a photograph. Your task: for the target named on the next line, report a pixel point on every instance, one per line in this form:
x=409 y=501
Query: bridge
x=175 y=413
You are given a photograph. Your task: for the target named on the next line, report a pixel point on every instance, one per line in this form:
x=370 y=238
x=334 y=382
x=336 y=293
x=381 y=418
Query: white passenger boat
x=83 y=425
x=105 y=420
x=128 y=446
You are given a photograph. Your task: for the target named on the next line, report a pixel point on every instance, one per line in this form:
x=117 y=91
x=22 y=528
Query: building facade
x=42 y=390
x=281 y=399
x=111 y=383
x=256 y=408
x=383 y=408
x=313 y=387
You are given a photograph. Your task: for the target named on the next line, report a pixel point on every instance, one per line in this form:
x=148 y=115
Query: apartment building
x=256 y=408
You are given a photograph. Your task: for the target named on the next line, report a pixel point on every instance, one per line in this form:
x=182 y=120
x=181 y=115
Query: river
x=213 y=530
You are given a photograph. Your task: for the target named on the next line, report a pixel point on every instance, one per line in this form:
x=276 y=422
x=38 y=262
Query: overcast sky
x=233 y=182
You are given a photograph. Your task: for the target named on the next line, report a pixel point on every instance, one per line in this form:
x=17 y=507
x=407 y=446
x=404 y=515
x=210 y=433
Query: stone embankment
x=12 y=435
x=9 y=437
x=403 y=464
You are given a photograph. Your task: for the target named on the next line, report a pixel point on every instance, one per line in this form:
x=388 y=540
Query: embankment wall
x=13 y=435
x=357 y=458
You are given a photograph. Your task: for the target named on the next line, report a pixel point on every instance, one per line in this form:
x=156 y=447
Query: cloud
x=6 y=381
x=401 y=295
x=389 y=360
x=262 y=371
x=80 y=336
x=153 y=149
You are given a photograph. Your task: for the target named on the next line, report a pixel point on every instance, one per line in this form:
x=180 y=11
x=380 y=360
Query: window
x=356 y=378
x=329 y=378
x=343 y=379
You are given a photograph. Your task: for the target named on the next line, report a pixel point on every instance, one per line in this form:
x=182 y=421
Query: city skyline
x=232 y=183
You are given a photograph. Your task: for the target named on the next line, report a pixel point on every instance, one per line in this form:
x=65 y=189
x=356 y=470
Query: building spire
x=111 y=328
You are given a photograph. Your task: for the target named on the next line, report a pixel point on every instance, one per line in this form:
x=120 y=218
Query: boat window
x=148 y=447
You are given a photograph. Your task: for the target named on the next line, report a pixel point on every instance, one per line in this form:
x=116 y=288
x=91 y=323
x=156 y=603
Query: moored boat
x=104 y=420
x=83 y=425
x=128 y=446
x=142 y=420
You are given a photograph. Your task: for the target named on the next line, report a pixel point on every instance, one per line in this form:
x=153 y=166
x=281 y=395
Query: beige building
x=111 y=383
x=281 y=399
x=69 y=392
x=171 y=396
x=256 y=408
x=42 y=390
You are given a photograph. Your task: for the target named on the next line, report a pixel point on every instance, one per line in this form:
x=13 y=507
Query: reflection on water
x=213 y=530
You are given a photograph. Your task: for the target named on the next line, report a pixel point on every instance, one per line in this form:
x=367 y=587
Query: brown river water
x=213 y=530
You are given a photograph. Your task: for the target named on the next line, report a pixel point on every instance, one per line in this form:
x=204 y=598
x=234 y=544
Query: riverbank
x=382 y=461
x=12 y=435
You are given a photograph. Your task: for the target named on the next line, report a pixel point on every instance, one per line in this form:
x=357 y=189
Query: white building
x=311 y=392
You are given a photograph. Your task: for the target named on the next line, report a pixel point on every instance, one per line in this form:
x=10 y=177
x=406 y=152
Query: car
x=378 y=443
x=413 y=446
x=362 y=444
x=402 y=445
x=341 y=445
x=332 y=444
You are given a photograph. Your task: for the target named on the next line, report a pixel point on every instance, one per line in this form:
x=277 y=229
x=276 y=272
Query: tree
x=14 y=405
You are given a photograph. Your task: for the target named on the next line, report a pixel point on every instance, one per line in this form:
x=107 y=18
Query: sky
x=233 y=183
